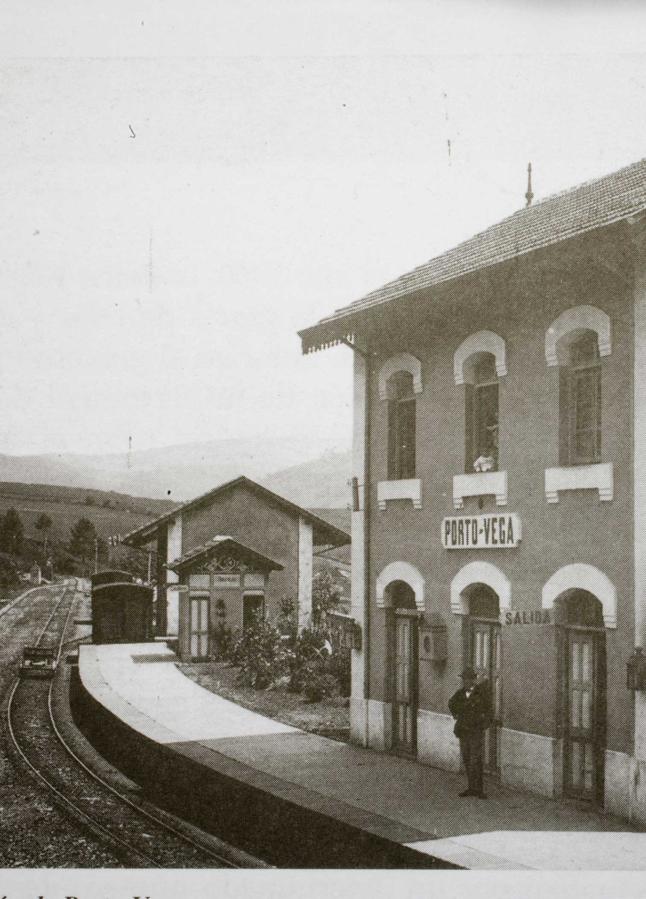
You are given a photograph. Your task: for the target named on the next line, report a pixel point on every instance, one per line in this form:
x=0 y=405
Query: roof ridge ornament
x=529 y=196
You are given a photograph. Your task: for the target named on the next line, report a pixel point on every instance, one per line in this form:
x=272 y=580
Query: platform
x=400 y=803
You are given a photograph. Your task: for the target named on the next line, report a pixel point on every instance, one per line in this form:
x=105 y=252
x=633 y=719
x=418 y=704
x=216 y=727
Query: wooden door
x=405 y=695
x=584 y=719
x=199 y=627
x=486 y=659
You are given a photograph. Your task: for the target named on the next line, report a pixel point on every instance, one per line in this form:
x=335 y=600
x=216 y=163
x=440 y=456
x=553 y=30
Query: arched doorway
x=403 y=639
x=582 y=693
x=483 y=650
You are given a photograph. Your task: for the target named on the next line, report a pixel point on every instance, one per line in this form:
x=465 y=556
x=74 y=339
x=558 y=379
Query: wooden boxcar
x=122 y=611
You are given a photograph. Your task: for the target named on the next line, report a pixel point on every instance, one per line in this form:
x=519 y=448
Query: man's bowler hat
x=469 y=674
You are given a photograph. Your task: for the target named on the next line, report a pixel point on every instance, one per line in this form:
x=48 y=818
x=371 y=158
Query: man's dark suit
x=472 y=715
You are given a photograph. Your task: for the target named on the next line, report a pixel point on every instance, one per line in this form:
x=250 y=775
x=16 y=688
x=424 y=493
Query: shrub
x=8 y=572
x=307 y=650
x=326 y=596
x=318 y=684
x=286 y=620
x=339 y=665
x=222 y=639
x=261 y=655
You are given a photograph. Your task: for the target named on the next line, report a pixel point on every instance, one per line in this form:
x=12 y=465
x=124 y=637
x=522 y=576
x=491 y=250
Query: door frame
x=202 y=597
x=599 y=710
x=492 y=734
x=413 y=684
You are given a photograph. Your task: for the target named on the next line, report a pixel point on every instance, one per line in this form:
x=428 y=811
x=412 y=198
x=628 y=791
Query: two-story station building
x=500 y=457
x=235 y=552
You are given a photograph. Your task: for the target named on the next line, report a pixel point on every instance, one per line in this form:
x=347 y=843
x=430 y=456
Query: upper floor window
x=481 y=416
x=401 y=426
x=580 y=401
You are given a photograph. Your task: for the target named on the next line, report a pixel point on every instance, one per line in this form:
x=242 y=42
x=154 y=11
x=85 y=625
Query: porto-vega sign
x=481 y=531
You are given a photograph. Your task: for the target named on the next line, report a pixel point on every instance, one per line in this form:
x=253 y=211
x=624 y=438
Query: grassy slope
x=65 y=505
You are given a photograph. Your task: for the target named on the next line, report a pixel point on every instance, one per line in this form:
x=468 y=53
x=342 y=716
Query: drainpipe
x=365 y=356
x=366 y=544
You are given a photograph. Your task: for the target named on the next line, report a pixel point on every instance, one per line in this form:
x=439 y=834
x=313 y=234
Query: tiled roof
x=585 y=207
x=221 y=543
x=324 y=531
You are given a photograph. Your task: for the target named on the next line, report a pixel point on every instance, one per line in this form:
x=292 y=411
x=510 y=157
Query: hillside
x=319 y=483
x=110 y=512
x=183 y=471
x=295 y=468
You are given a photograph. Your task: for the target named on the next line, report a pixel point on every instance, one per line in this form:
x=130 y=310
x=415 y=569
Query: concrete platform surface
x=397 y=799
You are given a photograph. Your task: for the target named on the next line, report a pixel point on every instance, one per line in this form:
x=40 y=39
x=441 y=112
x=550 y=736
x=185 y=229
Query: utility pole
x=96 y=554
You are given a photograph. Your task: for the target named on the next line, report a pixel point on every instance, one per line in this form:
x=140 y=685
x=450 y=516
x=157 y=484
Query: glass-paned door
x=199 y=627
x=584 y=725
x=486 y=659
x=405 y=696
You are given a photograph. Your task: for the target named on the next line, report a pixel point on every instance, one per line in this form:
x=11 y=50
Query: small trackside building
x=229 y=554
x=500 y=457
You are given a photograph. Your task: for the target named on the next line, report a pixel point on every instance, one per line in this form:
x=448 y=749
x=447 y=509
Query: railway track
x=137 y=835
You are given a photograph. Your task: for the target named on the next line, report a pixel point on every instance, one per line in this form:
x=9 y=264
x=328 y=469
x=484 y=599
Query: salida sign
x=535 y=616
x=481 y=532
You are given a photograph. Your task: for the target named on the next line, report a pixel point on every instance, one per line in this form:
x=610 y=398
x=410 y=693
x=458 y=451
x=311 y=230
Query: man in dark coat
x=471 y=708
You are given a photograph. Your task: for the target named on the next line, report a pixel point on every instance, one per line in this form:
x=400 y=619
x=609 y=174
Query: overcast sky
x=287 y=158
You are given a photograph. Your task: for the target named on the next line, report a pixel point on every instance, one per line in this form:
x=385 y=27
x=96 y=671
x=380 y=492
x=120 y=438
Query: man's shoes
x=480 y=795
x=467 y=793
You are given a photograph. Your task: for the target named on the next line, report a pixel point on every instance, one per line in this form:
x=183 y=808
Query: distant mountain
x=321 y=482
x=293 y=467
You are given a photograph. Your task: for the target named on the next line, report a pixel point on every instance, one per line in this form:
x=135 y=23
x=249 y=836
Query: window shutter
x=564 y=415
x=469 y=436
x=392 y=440
x=407 y=412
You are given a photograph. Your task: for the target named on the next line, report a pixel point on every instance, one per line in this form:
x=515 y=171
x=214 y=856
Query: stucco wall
x=517 y=302
x=260 y=525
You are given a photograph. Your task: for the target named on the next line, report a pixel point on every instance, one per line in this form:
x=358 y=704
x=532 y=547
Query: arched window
x=483 y=602
x=401 y=426
x=481 y=415
x=580 y=402
x=579 y=608
x=400 y=595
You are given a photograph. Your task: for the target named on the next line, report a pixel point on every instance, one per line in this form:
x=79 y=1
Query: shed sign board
x=481 y=532
x=226 y=580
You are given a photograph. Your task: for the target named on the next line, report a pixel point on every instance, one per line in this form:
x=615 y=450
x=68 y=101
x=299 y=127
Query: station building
x=500 y=512
x=229 y=555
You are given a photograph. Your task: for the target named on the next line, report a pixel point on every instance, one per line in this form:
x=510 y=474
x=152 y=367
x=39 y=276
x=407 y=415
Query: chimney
x=529 y=196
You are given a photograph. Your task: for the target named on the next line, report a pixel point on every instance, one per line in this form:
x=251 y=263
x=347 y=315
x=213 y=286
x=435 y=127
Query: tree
x=11 y=532
x=43 y=524
x=82 y=541
x=326 y=596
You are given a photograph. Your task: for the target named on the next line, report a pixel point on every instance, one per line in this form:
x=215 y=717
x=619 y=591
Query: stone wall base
x=637 y=791
x=527 y=761
x=436 y=743
x=617 y=783
x=380 y=717
x=358 y=721
x=371 y=723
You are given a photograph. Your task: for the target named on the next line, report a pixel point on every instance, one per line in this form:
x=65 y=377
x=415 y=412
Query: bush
x=318 y=684
x=8 y=572
x=340 y=667
x=261 y=654
x=222 y=639
x=307 y=651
